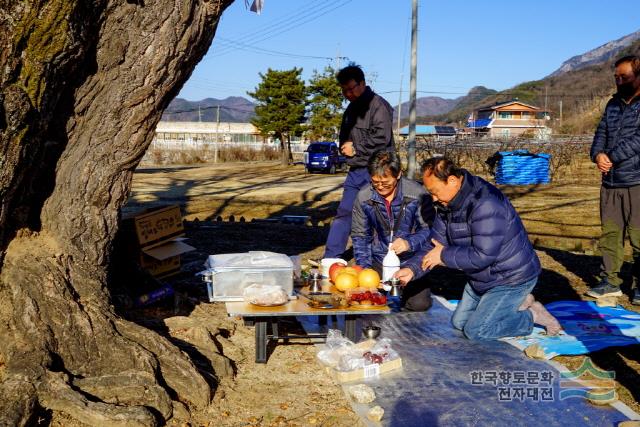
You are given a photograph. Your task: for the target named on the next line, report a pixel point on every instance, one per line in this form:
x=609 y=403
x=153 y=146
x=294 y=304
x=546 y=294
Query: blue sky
x=461 y=43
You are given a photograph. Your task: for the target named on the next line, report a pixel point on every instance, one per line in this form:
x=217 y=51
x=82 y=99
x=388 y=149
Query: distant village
x=504 y=120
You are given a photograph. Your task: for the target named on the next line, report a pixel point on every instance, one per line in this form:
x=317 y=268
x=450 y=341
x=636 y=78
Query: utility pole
x=546 y=112
x=215 y=152
x=199 y=114
x=561 y=113
x=411 y=141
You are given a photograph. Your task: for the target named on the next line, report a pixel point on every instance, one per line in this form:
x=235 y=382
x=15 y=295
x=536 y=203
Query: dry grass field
x=561 y=217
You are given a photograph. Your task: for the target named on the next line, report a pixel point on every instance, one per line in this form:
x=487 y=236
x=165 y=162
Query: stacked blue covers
x=520 y=167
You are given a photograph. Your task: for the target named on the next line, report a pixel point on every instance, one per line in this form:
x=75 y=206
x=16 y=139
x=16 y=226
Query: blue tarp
x=520 y=167
x=587 y=328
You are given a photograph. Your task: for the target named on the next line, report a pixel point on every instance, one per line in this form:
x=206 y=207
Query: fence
x=566 y=151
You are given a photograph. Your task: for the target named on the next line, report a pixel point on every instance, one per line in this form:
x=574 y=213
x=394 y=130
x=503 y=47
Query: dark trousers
x=416 y=295
x=619 y=215
x=341 y=225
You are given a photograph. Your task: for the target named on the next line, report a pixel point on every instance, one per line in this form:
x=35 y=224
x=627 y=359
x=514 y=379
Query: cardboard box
x=369 y=371
x=164 y=260
x=154 y=227
x=164 y=268
x=156 y=241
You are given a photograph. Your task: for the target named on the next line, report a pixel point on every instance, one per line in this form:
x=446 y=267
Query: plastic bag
x=343 y=355
x=381 y=352
x=265 y=295
x=336 y=346
x=335 y=339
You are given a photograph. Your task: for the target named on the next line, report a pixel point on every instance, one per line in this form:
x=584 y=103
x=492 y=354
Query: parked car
x=325 y=157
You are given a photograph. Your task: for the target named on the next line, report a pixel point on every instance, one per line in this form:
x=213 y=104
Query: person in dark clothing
x=616 y=153
x=477 y=230
x=395 y=204
x=366 y=128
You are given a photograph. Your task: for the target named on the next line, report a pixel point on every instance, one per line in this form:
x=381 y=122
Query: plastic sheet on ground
x=448 y=380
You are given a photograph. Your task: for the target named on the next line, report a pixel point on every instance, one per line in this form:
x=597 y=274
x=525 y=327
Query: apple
x=334 y=269
x=357 y=268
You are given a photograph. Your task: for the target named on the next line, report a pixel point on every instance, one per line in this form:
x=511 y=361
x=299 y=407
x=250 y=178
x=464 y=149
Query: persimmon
x=350 y=270
x=369 y=278
x=346 y=281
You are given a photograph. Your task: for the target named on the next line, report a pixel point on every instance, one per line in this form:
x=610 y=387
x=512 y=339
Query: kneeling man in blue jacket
x=478 y=231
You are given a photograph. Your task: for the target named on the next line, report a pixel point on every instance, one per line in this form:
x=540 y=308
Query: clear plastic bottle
x=390 y=264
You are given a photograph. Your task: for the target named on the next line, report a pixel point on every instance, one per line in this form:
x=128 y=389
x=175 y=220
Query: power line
x=311 y=15
x=283 y=22
x=254 y=49
x=278 y=22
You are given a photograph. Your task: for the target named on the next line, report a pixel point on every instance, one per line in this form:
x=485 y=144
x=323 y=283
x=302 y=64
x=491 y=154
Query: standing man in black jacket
x=616 y=153
x=366 y=128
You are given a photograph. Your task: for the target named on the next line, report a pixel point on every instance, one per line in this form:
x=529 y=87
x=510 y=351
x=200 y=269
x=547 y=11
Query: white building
x=197 y=133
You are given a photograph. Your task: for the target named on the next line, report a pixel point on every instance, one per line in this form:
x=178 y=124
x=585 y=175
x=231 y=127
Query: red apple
x=357 y=267
x=334 y=269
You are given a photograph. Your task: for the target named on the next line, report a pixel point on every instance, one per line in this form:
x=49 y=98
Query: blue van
x=324 y=157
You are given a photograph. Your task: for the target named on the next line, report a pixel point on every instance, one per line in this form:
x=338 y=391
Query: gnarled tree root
x=56 y=393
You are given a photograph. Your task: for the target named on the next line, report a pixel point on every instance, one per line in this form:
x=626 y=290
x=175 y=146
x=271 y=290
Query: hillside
x=232 y=109
x=426 y=106
x=581 y=94
x=598 y=55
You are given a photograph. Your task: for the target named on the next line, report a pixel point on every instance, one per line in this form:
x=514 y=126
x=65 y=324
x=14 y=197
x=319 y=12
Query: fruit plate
x=366 y=306
x=267 y=305
x=328 y=306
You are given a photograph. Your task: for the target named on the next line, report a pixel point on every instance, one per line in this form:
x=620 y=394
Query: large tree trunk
x=82 y=87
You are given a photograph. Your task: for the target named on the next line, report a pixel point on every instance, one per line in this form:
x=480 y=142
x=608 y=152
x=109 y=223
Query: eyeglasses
x=382 y=184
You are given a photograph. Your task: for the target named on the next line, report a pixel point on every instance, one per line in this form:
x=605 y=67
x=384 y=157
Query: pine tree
x=280 y=109
x=325 y=106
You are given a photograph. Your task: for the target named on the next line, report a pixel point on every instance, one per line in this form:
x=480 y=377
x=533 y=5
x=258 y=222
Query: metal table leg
x=350 y=327
x=261 y=324
x=274 y=328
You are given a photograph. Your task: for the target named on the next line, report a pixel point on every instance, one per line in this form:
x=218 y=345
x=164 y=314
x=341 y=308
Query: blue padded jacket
x=484 y=237
x=371 y=225
x=618 y=136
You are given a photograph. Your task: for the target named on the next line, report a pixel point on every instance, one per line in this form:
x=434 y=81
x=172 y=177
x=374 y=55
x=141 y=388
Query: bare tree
x=82 y=87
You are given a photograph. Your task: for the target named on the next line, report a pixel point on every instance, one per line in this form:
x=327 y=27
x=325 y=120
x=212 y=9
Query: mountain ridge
x=232 y=109
x=598 y=55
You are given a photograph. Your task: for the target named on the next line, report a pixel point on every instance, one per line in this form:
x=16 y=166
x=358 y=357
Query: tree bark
x=82 y=87
x=284 y=157
x=289 y=153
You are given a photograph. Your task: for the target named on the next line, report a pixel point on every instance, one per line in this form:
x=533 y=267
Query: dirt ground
x=291 y=389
